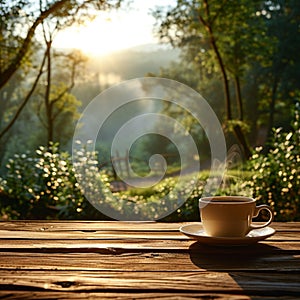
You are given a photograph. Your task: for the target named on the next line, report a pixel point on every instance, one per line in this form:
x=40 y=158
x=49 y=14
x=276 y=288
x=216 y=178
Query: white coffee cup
x=231 y=216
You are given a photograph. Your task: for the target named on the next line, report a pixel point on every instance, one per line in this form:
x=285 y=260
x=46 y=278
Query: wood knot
x=65 y=284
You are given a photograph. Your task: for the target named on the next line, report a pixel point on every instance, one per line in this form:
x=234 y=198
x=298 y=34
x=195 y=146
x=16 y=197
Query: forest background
x=242 y=57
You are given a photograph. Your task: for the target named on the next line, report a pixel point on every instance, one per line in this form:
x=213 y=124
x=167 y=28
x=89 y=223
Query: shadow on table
x=257 y=269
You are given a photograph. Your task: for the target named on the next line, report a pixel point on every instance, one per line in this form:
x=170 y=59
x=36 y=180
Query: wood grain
x=53 y=295
x=141 y=260
x=209 y=281
x=116 y=226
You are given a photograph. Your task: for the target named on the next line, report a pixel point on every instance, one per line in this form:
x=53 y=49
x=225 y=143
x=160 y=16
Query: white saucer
x=196 y=231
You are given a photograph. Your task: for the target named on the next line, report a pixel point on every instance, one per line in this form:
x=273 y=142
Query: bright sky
x=113 y=31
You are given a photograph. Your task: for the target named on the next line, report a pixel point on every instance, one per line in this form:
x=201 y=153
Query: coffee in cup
x=231 y=216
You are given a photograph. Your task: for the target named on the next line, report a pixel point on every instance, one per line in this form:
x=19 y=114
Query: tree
x=66 y=11
x=6 y=94
x=253 y=45
x=21 y=22
x=216 y=35
x=201 y=29
x=281 y=72
x=57 y=99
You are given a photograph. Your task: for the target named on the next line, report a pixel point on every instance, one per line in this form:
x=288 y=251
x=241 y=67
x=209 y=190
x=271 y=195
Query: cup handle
x=256 y=213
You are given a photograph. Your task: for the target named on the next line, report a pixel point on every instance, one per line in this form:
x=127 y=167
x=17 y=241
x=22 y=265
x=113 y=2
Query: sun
x=108 y=32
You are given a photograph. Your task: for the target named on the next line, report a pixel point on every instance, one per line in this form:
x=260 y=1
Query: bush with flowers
x=276 y=176
x=43 y=186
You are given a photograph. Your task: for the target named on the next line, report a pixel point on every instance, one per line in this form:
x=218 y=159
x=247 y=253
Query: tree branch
x=12 y=121
x=16 y=62
x=39 y=115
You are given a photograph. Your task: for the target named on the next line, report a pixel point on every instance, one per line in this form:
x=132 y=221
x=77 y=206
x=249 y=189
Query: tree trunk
x=241 y=138
x=238 y=96
x=237 y=128
x=272 y=107
x=48 y=104
x=220 y=62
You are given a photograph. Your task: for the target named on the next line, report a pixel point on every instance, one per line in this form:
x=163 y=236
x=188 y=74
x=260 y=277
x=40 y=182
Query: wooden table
x=148 y=260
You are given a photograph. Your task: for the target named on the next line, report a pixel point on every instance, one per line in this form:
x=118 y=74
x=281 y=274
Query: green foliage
x=21 y=19
x=44 y=186
x=276 y=177
x=258 y=44
x=233 y=123
x=164 y=197
x=60 y=114
x=165 y=194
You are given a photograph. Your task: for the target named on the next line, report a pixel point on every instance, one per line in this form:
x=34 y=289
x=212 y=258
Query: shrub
x=43 y=185
x=276 y=178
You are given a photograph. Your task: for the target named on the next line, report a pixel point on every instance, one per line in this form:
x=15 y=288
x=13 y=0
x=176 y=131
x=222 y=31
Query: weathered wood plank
x=53 y=295
x=206 y=282
x=120 y=246
x=89 y=225
x=112 y=230
x=103 y=235
x=96 y=235
x=67 y=260
x=117 y=246
x=119 y=226
x=261 y=260
x=115 y=234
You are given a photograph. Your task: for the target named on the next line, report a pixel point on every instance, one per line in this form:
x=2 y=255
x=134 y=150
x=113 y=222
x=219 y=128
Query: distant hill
x=107 y=70
x=133 y=62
